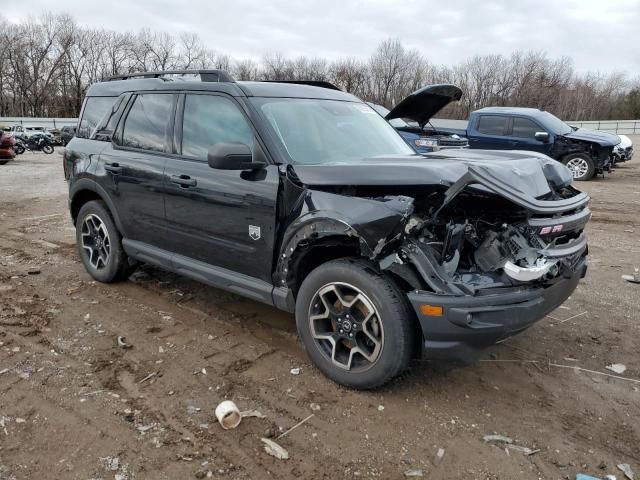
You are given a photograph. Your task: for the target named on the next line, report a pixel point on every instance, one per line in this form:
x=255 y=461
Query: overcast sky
x=599 y=35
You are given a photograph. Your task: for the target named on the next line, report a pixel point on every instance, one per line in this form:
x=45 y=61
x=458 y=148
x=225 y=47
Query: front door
x=523 y=131
x=225 y=218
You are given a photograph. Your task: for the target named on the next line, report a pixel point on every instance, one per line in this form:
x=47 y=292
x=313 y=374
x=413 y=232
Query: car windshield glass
x=554 y=124
x=315 y=131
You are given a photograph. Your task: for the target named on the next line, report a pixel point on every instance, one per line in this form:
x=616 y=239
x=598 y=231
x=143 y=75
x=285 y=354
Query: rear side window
x=524 y=128
x=210 y=119
x=94 y=109
x=492 y=124
x=148 y=120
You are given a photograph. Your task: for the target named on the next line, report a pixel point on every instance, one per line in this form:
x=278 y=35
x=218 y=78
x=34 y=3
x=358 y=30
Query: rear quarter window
x=492 y=124
x=94 y=109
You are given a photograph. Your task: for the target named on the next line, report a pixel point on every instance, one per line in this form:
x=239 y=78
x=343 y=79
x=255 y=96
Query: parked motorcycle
x=34 y=143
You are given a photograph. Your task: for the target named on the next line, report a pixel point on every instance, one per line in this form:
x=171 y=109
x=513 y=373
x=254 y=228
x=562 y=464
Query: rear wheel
x=355 y=323
x=19 y=149
x=48 y=149
x=581 y=166
x=100 y=244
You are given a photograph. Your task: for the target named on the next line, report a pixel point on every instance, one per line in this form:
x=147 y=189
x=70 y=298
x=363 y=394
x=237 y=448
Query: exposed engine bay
x=481 y=242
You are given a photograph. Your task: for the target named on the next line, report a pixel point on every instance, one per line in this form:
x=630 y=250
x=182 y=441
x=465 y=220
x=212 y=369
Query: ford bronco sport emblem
x=254 y=232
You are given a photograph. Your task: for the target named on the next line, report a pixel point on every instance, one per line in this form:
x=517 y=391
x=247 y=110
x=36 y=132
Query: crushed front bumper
x=470 y=324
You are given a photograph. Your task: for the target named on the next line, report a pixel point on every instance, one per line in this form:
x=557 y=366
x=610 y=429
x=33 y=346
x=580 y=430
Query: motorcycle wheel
x=19 y=149
x=48 y=149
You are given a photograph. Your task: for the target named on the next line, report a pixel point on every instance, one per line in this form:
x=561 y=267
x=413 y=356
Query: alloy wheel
x=95 y=240
x=346 y=326
x=578 y=166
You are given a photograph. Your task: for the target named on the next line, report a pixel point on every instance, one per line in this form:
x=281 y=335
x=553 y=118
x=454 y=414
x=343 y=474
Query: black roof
x=114 y=88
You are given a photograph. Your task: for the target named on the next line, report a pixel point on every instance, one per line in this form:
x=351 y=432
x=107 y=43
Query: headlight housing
x=426 y=142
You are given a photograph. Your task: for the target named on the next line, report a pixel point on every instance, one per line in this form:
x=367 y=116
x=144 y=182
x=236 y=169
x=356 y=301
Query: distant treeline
x=46 y=65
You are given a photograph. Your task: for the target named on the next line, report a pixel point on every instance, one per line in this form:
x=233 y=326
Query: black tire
x=395 y=326
x=48 y=149
x=19 y=149
x=4 y=162
x=117 y=266
x=581 y=165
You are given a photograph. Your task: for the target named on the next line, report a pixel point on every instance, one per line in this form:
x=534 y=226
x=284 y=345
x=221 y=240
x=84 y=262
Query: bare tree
x=47 y=64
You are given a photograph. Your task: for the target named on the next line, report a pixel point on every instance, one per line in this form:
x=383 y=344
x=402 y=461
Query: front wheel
x=48 y=149
x=19 y=149
x=581 y=166
x=355 y=323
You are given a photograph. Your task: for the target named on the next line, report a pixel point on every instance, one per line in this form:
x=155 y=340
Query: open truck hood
x=522 y=177
x=424 y=103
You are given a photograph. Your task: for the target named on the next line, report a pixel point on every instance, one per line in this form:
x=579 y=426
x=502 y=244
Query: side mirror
x=542 y=136
x=232 y=156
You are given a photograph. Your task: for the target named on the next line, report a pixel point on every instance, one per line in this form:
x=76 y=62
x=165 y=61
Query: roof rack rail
x=313 y=83
x=205 y=75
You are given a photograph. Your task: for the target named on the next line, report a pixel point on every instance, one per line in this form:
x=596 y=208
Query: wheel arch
x=85 y=190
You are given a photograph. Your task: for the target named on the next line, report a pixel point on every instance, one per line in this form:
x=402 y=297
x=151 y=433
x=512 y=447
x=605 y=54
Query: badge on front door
x=254 y=232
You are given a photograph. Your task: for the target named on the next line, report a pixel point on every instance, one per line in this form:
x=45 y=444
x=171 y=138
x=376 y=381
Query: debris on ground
x=33 y=271
x=439 y=456
x=148 y=377
x=635 y=278
x=380 y=408
x=315 y=407
x=616 y=368
x=414 y=472
x=626 y=469
x=527 y=451
x=584 y=476
x=497 y=438
x=296 y=371
x=228 y=414
x=146 y=428
x=275 y=450
x=252 y=413
x=122 y=342
x=296 y=425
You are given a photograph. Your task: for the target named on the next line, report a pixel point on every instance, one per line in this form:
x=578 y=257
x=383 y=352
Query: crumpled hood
x=597 y=136
x=526 y=172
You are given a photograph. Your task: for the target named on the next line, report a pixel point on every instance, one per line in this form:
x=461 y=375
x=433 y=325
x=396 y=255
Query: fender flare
x=85 y=184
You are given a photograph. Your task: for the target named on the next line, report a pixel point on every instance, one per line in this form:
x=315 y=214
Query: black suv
x=303 y=197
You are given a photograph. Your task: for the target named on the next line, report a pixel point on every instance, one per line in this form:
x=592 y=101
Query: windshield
x=315 y=131
x=554 y=124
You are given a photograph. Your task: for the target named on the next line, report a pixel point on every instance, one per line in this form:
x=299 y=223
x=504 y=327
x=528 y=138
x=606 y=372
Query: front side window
x=316 y=131
x=94 y=109
x=524 y=128
x=492 y=124
x=149 y=118
x=211 y=119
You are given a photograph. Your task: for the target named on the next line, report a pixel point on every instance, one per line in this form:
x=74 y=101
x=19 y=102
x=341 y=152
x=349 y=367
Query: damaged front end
x=480 y=259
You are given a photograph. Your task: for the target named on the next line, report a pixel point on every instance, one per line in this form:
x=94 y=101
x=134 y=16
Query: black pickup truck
x=304 y=198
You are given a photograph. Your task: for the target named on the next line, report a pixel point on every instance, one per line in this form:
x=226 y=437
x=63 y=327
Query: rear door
x=491 y=133
x=224 y=218
x=131 y=168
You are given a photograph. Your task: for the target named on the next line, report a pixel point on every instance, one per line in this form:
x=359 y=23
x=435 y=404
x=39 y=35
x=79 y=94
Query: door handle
x=184 y=180
x=114 y=168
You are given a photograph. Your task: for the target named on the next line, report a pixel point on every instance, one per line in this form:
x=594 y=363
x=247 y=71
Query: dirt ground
x=73 y=405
